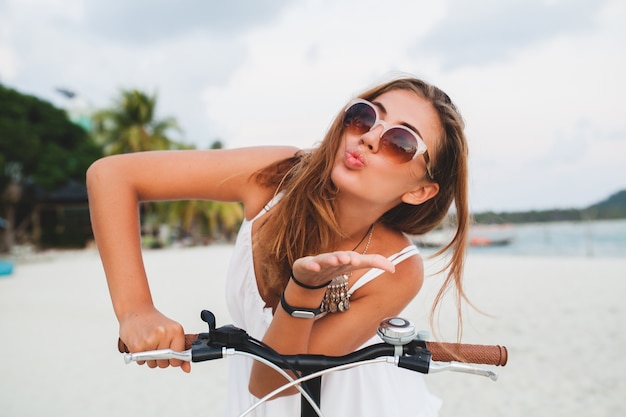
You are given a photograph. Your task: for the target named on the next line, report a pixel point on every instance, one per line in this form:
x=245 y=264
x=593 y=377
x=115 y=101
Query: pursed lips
x=354 y=159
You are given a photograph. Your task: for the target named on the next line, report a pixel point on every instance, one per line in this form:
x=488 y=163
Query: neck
x=366 y=239
x=355 y=219
x=357 y=240
x=356 y=226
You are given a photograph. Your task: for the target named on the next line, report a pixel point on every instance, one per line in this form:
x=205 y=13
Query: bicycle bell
x=396 y=331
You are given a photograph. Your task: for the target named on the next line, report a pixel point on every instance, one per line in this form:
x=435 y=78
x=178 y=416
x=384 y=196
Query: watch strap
x=298 y=312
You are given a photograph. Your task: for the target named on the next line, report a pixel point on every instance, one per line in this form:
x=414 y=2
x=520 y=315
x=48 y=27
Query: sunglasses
x=398 y=143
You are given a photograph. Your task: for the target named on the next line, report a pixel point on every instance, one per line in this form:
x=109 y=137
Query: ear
x=422 y=193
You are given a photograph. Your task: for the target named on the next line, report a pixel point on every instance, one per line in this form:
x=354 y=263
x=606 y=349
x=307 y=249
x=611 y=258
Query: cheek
x=415 y=172
x=399 y=177
x=374 y=185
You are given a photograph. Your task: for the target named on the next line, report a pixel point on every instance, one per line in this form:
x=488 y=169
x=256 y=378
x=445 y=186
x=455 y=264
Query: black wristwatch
x=299 y=312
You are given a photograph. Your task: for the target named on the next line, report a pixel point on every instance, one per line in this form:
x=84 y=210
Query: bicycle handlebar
x=441 y=351
x=400 y=347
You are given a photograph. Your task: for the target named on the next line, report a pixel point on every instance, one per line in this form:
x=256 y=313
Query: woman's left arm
x=292 y=335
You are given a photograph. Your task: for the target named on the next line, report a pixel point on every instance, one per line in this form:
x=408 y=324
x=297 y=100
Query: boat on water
x=480 y=235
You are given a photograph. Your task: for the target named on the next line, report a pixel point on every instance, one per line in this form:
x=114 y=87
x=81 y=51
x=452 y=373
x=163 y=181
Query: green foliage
x=40 y=144
x=200 y=220
x=39 y=139
x=130 y=126
x=612 y=208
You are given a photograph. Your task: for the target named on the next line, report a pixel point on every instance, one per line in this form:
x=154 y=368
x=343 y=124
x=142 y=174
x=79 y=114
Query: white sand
x=562 y=320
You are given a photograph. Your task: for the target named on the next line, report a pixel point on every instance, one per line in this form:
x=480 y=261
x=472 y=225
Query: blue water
x=600 y=239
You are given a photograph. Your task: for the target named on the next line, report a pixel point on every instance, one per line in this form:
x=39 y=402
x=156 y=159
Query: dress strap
x=268 y=206
x=373 y=273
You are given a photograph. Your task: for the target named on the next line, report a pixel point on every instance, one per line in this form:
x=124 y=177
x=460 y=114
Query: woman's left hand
x=318 y=269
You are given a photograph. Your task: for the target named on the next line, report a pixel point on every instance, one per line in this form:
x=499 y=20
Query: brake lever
x=465 y=368
x=155 y=355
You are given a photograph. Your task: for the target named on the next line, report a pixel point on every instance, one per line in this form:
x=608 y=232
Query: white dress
x=367 y=391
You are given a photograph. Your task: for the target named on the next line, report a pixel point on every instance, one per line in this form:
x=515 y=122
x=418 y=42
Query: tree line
x=43 y=151
x=614 y=207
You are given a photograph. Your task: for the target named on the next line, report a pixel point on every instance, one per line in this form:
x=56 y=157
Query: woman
x=324 y=233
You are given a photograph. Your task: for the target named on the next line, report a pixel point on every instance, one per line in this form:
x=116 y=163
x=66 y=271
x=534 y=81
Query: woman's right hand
x=318 y=269
x=151 y=330
x=118 y=184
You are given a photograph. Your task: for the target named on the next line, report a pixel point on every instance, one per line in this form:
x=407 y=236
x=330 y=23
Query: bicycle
x=402 y=346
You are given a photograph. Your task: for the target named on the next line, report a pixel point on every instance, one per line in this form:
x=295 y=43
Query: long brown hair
x=303 y=222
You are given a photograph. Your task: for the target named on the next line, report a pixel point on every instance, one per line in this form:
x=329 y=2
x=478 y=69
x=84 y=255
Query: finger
x=345 y=258
x=378 y=261
x=151 y=364
x=357 y=261
x=133 y=349
x=309 y=264
x=334 y=259
x=337 y=263
x=178 y=345
x=164 y=343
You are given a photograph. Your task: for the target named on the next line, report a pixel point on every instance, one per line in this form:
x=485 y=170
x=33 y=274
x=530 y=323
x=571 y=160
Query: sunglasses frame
x=421 y=146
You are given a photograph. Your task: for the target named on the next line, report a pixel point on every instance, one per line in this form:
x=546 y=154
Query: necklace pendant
x=337 y=298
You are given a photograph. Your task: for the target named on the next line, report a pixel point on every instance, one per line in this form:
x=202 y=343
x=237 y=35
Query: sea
x=599 y=239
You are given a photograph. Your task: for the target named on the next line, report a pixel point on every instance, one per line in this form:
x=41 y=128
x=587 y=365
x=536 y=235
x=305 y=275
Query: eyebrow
x=405 y=124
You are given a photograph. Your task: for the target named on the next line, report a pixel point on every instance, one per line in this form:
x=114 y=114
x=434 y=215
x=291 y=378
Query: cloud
x=96 y=48
x=141 y=21
x=483 y=32
x=540 y=83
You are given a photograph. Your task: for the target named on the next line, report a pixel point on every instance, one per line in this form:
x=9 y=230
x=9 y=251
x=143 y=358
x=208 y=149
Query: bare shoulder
x=409 y=271
x=399 y=288
x=255 y=196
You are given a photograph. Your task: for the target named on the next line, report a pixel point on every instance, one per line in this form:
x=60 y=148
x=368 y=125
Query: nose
x=371 y=138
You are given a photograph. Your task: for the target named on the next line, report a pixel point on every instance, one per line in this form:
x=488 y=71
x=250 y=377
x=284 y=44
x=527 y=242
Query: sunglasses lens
x=359 y=118
x=399 y=145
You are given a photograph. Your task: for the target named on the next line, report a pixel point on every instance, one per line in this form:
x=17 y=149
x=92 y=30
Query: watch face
x=302 y=314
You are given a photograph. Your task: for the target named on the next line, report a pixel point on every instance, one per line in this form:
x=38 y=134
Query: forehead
x=403 y=106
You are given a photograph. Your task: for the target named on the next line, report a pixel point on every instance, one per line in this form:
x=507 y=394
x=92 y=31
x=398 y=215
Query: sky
x=540 y=83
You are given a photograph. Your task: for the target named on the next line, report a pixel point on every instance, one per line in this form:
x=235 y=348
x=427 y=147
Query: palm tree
x=131 y=127
x=199 y=220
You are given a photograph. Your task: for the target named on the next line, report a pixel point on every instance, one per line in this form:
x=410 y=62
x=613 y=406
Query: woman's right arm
x=117 y=184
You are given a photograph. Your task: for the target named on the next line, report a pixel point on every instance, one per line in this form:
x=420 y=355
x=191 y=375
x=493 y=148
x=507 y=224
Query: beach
x=561 y=318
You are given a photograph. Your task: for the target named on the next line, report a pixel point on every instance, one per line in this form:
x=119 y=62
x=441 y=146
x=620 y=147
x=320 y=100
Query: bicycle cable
x=296 y=382
x=292 y=382
x=286 y=364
